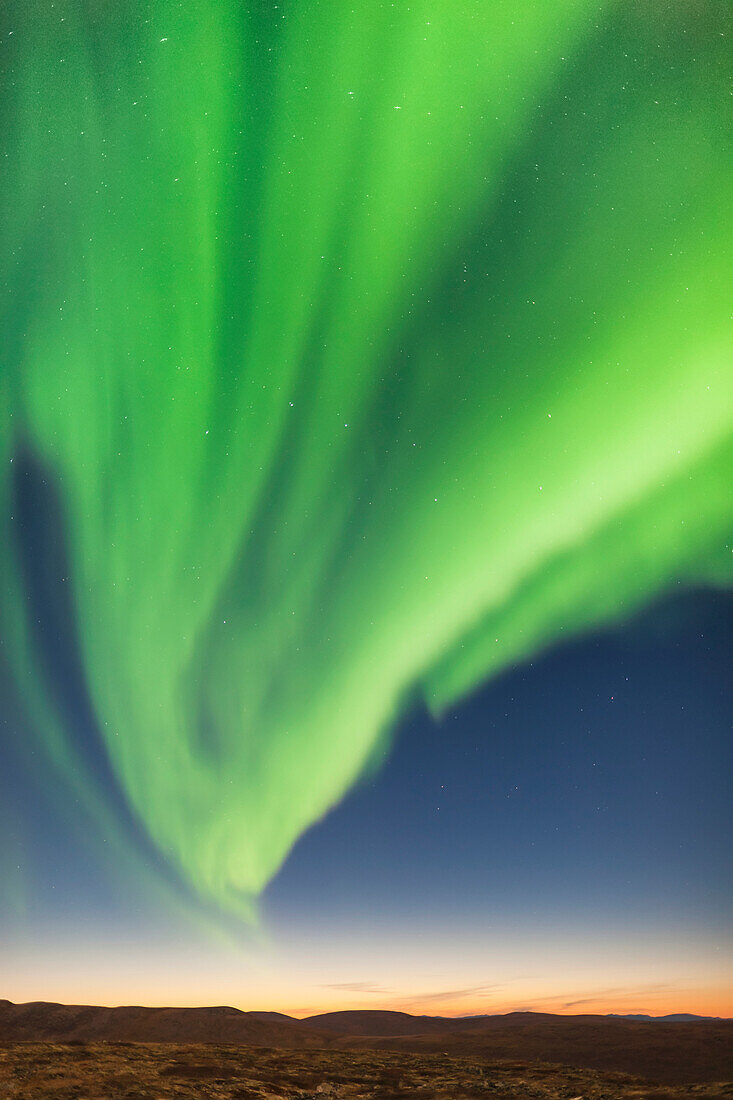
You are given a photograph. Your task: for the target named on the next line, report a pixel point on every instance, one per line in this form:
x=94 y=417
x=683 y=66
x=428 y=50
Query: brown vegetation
x=666 y=1053
x=166 y=1071
x=130 y=1053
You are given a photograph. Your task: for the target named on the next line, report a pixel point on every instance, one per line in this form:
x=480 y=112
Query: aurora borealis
x=349 y=359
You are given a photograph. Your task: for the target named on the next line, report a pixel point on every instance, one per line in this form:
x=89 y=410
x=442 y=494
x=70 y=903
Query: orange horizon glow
x=564 y=971
x=699 y=1002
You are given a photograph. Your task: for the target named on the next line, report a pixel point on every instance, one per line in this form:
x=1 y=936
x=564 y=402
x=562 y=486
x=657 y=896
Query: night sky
x=559 y=842
x=365 y=510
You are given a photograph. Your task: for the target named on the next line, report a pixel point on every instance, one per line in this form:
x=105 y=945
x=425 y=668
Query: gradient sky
x=365 y=450
x=559 y=842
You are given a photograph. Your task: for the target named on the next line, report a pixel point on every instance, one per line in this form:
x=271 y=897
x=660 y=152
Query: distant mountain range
x=675 y=1017
x=681 y=1049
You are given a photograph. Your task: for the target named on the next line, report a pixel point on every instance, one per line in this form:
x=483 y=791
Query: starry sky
x=365 y=440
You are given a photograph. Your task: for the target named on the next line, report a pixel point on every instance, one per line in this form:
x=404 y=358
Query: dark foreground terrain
x=87 y=1052
x=662 y=1052
x=158 y=1071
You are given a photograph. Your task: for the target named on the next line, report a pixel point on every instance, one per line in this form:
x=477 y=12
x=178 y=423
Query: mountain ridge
x=672 y=1051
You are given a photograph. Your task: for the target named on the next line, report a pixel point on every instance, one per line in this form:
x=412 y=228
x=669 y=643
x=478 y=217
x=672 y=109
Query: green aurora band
x=363 y=353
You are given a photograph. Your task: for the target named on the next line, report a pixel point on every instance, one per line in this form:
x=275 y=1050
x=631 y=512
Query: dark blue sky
x=600 y=770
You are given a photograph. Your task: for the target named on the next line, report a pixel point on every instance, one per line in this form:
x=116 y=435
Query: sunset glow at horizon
x=562 y=980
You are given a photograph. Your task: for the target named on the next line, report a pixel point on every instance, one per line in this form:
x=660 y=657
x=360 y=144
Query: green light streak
x=367 y=352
